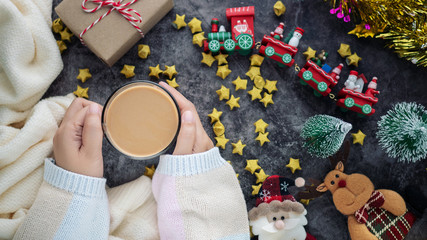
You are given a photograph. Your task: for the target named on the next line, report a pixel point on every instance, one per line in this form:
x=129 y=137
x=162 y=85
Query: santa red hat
x=300 y=30
x=355 y=73
x=276 y=188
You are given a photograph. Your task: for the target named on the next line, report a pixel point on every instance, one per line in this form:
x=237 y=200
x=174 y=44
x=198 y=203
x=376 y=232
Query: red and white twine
x=119 y=7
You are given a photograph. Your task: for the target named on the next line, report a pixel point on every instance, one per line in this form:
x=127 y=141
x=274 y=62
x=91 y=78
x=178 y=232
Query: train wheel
x=322 y=86
x=343 y=109
x=214 y=46
x=269 y=51
x=286 y=58
x=366 y=109
x=302 y=82
x=316 y=93
x=307 y=75
x=229 y=45
x=245 y=41
x=349 y=102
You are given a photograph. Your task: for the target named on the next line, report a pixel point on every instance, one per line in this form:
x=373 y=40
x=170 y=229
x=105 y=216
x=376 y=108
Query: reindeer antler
x=341 y=155
x=310 y=191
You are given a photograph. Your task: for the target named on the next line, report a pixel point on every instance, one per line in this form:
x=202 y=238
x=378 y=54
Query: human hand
x=192 y=137
x=77 y=144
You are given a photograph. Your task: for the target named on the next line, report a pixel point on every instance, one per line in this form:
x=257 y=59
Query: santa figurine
x=277 y=215
x=294 y=41
x=372 y=88
x=278 y=33
x=336 y=72
x=350 y=84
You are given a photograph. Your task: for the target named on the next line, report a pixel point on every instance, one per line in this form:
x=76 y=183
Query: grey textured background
x=398 y=81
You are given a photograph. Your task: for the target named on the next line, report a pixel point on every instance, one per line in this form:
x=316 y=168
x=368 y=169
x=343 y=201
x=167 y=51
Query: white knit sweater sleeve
x=67 y=206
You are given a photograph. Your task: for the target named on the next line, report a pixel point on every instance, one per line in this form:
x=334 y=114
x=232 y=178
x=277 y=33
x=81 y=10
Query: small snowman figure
x=278 y=33
x=294 y=41
x=350 y=84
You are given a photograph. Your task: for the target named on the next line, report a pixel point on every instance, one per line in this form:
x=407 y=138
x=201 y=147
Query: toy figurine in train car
x=318 y=78
x=352 y=98
x=320 y=58
x=241 y=37
x=273 y=47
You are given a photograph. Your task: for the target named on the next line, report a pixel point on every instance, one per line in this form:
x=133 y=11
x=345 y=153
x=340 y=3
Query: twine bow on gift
x=128 y=13
x=375 y=201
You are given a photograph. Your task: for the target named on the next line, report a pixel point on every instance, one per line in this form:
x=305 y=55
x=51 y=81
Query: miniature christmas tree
x=402 y=132
x=324 y=135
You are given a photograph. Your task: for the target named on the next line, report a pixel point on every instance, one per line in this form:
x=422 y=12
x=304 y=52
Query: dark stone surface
x=398 y=81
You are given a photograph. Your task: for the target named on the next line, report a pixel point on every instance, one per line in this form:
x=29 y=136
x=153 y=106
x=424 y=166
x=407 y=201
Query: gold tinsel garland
x=402 y=22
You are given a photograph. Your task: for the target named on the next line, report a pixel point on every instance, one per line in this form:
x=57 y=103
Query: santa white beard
x=293 y=230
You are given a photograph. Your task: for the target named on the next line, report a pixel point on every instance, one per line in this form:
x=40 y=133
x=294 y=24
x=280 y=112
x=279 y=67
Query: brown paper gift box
x=113 y=36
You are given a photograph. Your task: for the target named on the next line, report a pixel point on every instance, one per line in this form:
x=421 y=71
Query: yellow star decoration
x=172 y=83
x=155 y=71
x=215 y=115
x=195 y=25
x=84 y=74
x=208 y=59
x=305 y=201
x=240 y=83
x=170 y=71
x=270 y=86
x=237 y=176
x=262 y=138
x=260 y=126
x=229 y=162
x=259 y=82
x=358 y=137
x=267 y=99
x=221 y=141
x=143 y=51
x=61 y=45
x=252 y=165
x=256 y=189
x=261 y=176
x=223 y=71
x=353 y=59
x=293 y=165
x=279 y=8
x=255 y=93
x=310 y=53
x=149 y=171
x=81 y=92
x=256 y=60
x=179 y=22
x=233 y=102
x=344 y=50
x=223 y=93
x=253 y=72
x=222 y=59
x=198 y=38
x=128 y=71
x=66 y=34
x=218 y=128
x=238 y=147
x=57 y=25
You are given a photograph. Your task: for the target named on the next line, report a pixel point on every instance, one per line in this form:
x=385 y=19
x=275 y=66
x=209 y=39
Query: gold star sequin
x=305 y=201
x=261 y=176
x=240 y=83
x=61 y=45
x=81 y=92
x=221 y=141
x=267 y=99
x=222 y=59
x=344 y=50
x=57 y=25
x=128 y=71
x=256 y=189
x=260 y=126
x=208 y=59
x=270 y=86
x=252 y=165
x=215 y=115
x=172 y=83
x=279 y=8
x=293 y=165
x=310 y=53
x=170 y=71
x=179 y=21
x=66 y=34
x=238 y=147
x=199 y=38
x=218 y=128
x=255 y=93
x=253 y=72
x=259 y=82
x=149 y=171
x=155 y=71
x=256 y=60
x=361 y=31
x=223 y=71
x=84 y=74
x=358 y=137
x=353 y=59
x=262 y=138
x=195 y=25
x=223 y=93
x=233 y=102
x=143 y=51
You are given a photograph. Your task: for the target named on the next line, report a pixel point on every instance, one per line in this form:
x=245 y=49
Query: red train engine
x=241 y=37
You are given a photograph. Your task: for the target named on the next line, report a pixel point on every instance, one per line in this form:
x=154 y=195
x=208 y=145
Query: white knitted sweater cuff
x=193 y=164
